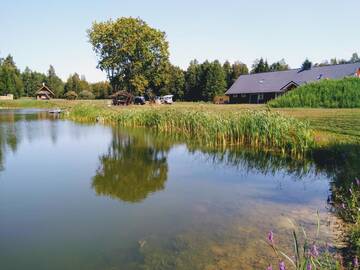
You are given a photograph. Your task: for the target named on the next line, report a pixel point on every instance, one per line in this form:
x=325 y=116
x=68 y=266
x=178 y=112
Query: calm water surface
x=76 y=196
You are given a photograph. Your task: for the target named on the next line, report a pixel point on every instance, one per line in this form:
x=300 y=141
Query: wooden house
x=44 y=93
x=261 y=87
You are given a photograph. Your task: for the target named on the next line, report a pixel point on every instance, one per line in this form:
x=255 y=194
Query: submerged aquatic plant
x=306 y=256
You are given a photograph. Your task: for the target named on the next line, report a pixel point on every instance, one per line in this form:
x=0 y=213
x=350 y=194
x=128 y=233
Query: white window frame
x=261 y=96
x=235 y=95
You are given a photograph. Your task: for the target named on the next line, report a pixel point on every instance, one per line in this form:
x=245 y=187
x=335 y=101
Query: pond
x=81 y=196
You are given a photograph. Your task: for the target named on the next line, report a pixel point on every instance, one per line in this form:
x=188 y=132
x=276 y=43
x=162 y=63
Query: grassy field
x=340 y=125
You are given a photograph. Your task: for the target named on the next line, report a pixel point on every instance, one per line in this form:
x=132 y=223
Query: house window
x=243 y=95
x=260 y=96
x=235 y=95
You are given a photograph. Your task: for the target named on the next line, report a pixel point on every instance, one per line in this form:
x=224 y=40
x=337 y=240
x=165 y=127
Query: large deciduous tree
x=77 y=84
x=134 y=56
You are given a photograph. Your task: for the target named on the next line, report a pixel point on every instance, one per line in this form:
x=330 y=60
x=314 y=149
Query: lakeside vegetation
x=258 y=129
x=343 y=93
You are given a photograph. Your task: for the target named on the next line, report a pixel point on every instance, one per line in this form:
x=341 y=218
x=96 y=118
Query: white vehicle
x=168 y=99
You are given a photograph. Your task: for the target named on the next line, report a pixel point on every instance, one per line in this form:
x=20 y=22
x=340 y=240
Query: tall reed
x=259 y=129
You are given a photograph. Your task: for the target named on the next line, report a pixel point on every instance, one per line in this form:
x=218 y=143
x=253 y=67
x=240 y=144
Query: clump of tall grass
x=259 y=129
x=309 y=253
x=343 y=93
x=346 y=203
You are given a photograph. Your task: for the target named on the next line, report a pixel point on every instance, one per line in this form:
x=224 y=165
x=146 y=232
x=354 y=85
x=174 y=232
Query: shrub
x=71 y=95
x=343 y=93
x=85 y=94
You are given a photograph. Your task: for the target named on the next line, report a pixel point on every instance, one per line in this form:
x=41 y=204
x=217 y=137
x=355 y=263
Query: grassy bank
x=258 y=129
x=343 y=93
x=329 y=125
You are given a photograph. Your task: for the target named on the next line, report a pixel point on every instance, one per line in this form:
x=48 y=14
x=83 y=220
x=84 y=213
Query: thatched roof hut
x=44 y=93
x=122 y=98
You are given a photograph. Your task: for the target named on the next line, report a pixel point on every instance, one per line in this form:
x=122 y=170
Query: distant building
x=7 y=97
x=261 y=87
x=44 y=93
x=221 y=99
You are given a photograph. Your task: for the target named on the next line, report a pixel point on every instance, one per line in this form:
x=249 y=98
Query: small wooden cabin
x=122 y=98
x=44 y=93
x=221 y=99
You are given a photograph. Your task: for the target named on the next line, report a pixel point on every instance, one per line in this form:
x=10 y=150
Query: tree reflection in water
x=133 y=167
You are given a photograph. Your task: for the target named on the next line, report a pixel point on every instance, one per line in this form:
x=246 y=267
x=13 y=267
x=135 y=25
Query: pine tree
x=54 y=82
x=10 y=78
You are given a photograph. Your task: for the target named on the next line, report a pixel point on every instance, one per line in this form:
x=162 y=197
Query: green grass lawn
x=341 y=125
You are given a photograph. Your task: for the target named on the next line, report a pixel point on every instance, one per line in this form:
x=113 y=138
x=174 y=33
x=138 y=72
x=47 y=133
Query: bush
x=343 y=93
x=86 y=95
x=71 y=95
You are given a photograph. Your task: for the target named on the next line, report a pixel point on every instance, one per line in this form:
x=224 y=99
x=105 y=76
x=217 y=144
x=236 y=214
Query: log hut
x=44 y=93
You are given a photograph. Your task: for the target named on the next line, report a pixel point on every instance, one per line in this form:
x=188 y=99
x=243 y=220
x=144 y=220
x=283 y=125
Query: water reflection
x=206 y=208
x=133 y=167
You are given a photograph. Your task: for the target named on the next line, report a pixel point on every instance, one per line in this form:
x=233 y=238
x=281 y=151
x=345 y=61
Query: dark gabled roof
x=46 y=89
x=277 y=81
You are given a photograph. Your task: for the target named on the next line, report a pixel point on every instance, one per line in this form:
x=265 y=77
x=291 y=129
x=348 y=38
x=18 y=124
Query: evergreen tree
x=10 y=78
x=54 y=82
x=215 y=81
x=306 y=65
x=238 y=69
x=260 y=66
x=192 y=82
x=175 y=83
x=279 y=66
x=228 y=70
x=354 y=58
x=76 y=84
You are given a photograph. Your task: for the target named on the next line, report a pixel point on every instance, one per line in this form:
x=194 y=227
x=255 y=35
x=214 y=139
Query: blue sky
x=40 y=33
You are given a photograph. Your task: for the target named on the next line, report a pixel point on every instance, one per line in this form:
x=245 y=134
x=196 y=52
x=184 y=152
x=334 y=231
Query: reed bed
x=259 y=129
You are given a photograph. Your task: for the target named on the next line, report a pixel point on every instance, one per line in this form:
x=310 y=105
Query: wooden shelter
x=221 y=99
x=122 y=98
x=44 y=93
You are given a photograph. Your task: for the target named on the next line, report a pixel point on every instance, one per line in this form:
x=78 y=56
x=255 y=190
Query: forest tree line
x=199 y=82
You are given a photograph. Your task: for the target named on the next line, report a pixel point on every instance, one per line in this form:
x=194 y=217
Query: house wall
x=251 y=98
x=358 y=73
x=7 y=97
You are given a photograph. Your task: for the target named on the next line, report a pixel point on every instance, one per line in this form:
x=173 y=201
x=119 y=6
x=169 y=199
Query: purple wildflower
x=350 y=190
x=269 y=267
x=314 y=251
x=357 y=182
x=308 y=266
x=282 y=266
x=356 y=262
x=271 y=237
x=343 y=206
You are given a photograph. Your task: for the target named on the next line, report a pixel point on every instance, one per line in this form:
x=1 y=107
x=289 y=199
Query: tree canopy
x=134 y=56
x=10 y=78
